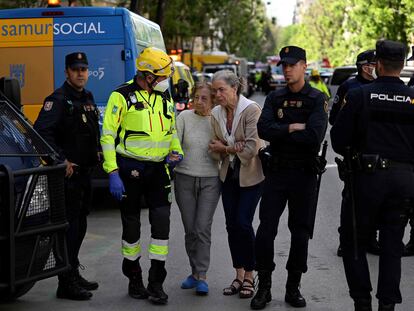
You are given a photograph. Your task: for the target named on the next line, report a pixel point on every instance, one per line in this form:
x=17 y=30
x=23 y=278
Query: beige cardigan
x=251 y=172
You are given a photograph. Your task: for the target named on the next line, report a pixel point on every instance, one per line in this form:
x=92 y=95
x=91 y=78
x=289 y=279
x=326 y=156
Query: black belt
x=372 y=162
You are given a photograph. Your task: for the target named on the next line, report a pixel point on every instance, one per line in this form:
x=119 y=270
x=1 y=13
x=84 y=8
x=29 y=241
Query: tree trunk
x=160 y=13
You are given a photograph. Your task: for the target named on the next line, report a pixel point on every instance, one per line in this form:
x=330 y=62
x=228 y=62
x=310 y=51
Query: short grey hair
x=230 y=78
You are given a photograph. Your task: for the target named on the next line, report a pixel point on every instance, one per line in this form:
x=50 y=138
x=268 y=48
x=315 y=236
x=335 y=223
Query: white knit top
x=194 y=132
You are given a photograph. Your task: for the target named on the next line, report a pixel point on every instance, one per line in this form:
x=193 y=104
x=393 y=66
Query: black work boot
x=156 y=277
x=263 y=294
x=385 y=307
x=293 y=295
x=69 y=287
x=136 y=288
x=363 y=304
x=84 y=283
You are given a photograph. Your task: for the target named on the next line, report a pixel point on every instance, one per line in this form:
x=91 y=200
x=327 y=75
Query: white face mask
x=374 y=73
x=162 y=86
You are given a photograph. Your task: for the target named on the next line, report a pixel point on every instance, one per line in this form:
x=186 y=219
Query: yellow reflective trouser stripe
x=131 y=251
x=158 y=249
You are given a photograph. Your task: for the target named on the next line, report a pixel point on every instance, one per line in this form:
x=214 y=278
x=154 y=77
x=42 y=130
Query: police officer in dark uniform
x=409 y=247
x=68 y=121
x=366 y=74
x=411 y=82
x=377 y=123
x=294 y=121
x=365 y=65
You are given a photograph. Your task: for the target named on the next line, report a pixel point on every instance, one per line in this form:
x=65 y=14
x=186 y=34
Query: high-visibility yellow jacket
x=321 y=86
x=142 y=126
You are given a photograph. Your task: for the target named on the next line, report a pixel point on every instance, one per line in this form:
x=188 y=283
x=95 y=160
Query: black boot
x=69 y=287
x=156 y=277
x=386 y=307
x=293 y=295
x=84 y=283
x=136 y=288
x=362 y=305
x=263 y=294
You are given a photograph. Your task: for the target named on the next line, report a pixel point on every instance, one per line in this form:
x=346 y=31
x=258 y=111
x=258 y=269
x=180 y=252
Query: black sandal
x=234 y=288
x=247 y=289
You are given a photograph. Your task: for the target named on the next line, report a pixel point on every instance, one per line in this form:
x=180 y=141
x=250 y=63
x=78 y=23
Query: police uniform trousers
x=151 y=180
x=297 y=187
x=78 y=199
x=382 y=198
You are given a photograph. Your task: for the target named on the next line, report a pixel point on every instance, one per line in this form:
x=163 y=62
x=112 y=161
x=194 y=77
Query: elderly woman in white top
x=237 y=143
x=197 y=186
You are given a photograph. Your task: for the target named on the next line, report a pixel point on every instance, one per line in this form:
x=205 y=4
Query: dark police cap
x=412 y=54
x=366 y=57
x=76 y=60
x=291 y=55
x=390 y=50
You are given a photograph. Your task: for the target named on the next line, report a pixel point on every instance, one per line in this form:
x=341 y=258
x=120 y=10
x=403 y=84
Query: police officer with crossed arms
x=377 y=124
x=68 y=121
x=294 y=121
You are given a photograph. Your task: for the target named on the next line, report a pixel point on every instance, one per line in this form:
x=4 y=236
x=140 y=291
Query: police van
x=34 y=42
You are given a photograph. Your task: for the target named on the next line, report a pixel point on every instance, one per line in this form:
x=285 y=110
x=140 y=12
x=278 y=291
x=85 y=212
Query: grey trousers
x=197 y=199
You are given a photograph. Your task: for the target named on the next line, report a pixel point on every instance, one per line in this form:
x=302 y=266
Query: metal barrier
x=32 y=225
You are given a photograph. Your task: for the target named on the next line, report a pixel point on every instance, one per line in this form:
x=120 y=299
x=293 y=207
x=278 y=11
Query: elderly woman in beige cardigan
x=236 y=144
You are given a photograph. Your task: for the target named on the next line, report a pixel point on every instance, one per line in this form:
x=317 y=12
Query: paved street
x=324 y=285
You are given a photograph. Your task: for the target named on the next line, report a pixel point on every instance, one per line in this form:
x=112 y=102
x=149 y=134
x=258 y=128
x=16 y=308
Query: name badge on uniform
x=280 y=113
x=133 y=98
x=84 y=118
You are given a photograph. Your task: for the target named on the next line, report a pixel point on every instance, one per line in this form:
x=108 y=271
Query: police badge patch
x=280 y=113
x=48 y=106
x=325 y=106
x=114 y=109
x=135 y=174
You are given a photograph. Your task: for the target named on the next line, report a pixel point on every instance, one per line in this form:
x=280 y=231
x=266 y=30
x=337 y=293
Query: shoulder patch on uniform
x=114 y=109
x=336 y=99
x=325 y=106
x=171 y=108
x=48 y=106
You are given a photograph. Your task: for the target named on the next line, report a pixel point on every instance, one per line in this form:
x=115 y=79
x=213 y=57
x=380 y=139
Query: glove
x=116 y=187
x=172 y=162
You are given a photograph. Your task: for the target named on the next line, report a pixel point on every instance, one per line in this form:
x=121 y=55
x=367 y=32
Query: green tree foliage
x=340 y=29
x=235 y=26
